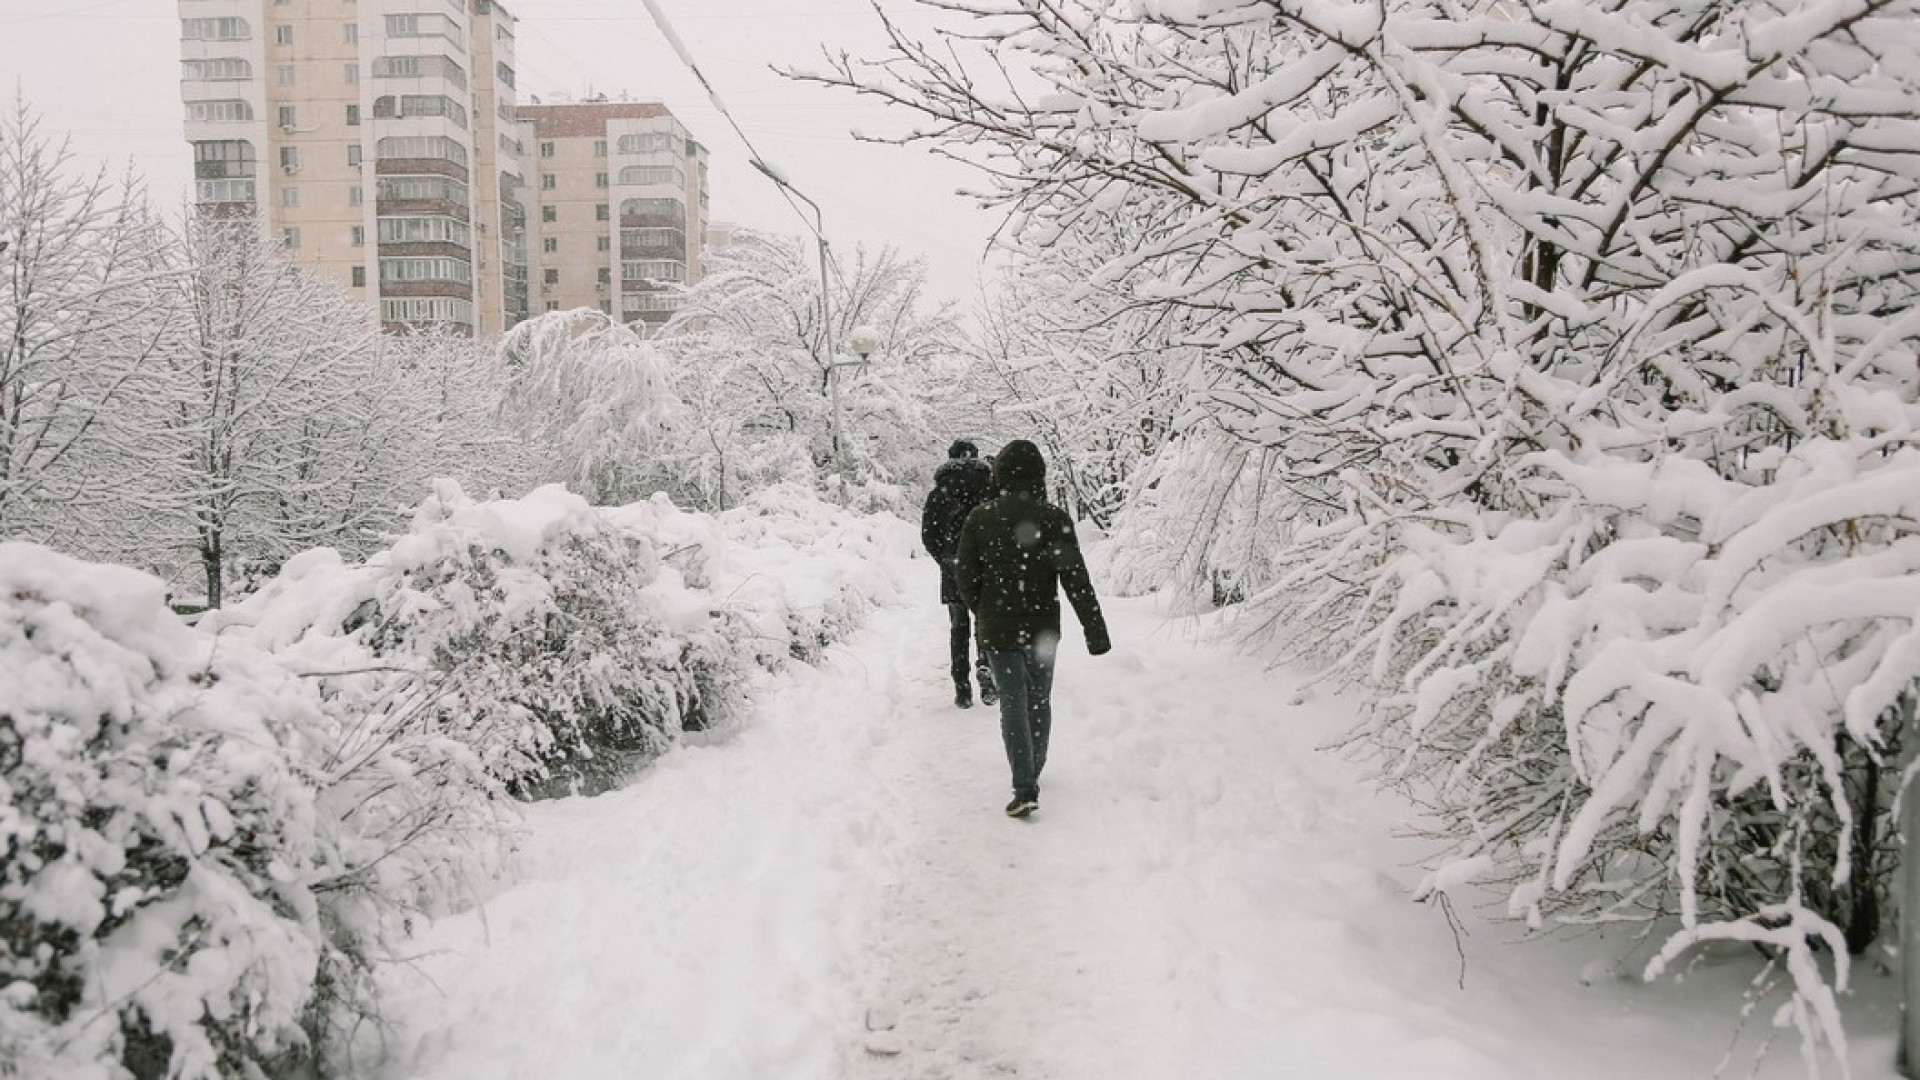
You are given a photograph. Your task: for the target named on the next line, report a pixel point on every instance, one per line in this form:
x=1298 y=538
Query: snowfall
x=1211 y=889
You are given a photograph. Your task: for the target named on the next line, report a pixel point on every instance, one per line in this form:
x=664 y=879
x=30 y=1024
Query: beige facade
x=376 y=138
x=621 y=195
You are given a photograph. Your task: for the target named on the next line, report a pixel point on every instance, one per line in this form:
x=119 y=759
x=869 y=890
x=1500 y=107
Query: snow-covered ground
x=1206 y=893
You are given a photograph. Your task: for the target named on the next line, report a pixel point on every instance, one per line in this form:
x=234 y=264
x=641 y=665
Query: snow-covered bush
x=782 y=576
x=528 y=626
x=161 y=847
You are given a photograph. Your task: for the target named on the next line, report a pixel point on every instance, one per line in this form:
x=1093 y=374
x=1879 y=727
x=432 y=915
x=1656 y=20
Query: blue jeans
x=1025 y=678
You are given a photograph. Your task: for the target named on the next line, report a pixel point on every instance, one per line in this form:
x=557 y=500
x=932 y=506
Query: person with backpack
x=1016 y=554
x=959 y=485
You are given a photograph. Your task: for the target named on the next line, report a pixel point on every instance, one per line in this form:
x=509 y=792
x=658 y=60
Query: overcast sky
x=107 y=71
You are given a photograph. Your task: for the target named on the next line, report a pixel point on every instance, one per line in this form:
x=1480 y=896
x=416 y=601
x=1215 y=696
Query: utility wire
x=759 y=161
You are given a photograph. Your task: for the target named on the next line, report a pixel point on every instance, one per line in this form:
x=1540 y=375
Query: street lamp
x=863 y=340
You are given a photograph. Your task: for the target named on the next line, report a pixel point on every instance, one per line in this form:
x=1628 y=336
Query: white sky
x=107 y=72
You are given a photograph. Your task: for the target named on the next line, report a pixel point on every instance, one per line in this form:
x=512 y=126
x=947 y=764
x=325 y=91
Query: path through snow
x=1204 y=895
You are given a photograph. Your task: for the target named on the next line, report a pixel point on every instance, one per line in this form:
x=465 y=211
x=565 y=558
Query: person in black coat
x=959 y=485
x=1017 y=553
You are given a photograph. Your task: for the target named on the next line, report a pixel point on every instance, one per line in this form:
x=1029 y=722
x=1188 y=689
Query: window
x=654 y=211
x=549 y=244
x=600 y=180
x=412 y=188
x=356 y=195
x=223 y=191
x=605 y=242
x=283 y=34
x=599 y=148
x=218 y=69
x=645 y=142
x=427 y=309
x=426 y=25
x=421 y=146
x=553 y=305
x=546 y=149
x=357 y=236
x=353 y=116
x=221 y=29
x=290 y=197
x=415 y=67
x=290 y=158
x=219 y=112
x=635 y=303
x=219 y=159
x=425 y=230
x=653 y=174
x=287 y=118
x=653 y=241
x=283 y=74
x=503 y=73
x=606 y=276
x=290 y=237
x=426 y=268
x=350 y=33
x=353 y=154
x=653 y=270
x=549 y=213
x=420 y=105
x=352 y=73
x=600 y=213
x=360 y=277
x=606 y=306
x=546 y=181
x=550 y=276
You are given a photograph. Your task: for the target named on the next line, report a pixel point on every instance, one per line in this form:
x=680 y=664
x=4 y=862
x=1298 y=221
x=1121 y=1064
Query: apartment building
x=621 y=196
x=377 y=138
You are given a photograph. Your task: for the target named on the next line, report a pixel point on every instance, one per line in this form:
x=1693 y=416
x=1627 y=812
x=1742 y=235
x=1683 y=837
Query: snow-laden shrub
x=528 y=625
x=159 y=848
x=782 y=576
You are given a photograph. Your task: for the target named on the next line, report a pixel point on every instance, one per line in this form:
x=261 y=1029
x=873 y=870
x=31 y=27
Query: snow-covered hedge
x=785 y=574
x=161 y=859
x=526 y=623
x=213 y=833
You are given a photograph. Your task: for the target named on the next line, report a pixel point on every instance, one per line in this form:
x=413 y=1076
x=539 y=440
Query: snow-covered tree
x=589 y=396
x=1081 y=371
x=1560 y=389
x=80 y=263
x=274 y=432
x=750 y=332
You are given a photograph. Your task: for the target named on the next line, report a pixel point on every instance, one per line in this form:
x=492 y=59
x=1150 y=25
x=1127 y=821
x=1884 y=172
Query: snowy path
x=1203 y=895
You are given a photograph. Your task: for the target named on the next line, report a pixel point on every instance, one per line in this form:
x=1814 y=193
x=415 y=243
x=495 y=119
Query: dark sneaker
x=1022 y=807
x=963 y=698
x=989 y=695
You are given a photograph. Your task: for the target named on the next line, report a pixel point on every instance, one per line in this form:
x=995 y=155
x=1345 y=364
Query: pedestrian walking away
x=1016 y=554
x=959 y=485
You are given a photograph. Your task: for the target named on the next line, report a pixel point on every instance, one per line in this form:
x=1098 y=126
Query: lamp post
x=863 y=341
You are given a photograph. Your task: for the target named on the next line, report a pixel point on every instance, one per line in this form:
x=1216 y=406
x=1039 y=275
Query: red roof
x=574 y=121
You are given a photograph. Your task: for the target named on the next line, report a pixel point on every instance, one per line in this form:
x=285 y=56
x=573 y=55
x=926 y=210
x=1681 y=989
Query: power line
x=755 y=158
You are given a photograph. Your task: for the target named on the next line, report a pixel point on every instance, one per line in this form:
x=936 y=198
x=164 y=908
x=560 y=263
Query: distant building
x=377 y=139
x=621 y=195
x=720 y=235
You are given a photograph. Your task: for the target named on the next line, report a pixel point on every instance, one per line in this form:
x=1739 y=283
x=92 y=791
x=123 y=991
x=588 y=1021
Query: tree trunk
x=211 y=560
x=1909 y=903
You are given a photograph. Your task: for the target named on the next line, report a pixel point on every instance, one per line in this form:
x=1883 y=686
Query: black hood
x=955 y=473
x=1019 y=467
